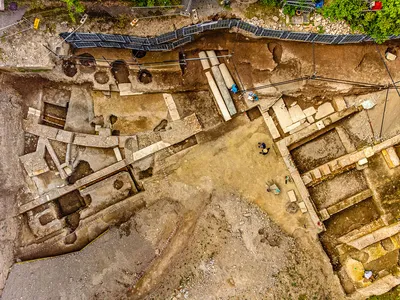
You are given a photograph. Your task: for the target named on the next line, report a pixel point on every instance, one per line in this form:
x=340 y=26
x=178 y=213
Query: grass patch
x=261 y=11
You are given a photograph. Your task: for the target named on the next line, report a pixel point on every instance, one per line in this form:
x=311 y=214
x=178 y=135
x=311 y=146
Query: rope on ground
x=383 y=114
x=242 y=90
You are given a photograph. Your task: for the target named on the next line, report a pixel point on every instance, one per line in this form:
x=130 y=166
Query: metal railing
x=171 y=40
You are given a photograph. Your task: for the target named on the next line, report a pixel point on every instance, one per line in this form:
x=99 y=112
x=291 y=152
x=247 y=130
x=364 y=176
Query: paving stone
x=324 y=110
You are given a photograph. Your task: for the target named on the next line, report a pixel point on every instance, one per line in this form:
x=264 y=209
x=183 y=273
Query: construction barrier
x=175 y=39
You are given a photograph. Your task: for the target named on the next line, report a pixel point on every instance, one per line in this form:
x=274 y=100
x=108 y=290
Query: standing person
x=262 y=145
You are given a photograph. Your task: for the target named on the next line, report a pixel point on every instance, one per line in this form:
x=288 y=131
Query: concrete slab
x=218 y=98
x=213 y=59
x=204 y=60
x=324 y=110
x=296 y=113
x=224 y=90
x=282 y=114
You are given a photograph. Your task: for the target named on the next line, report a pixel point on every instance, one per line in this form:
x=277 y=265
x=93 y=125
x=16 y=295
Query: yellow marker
x=36 y=23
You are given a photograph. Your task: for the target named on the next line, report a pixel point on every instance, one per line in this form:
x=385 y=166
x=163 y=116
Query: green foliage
x=289 y=10
x=150 y=3
x=74 y=7
x=377 y=24
x=269 y=2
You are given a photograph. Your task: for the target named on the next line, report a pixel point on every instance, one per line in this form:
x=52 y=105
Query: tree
x=380 y=25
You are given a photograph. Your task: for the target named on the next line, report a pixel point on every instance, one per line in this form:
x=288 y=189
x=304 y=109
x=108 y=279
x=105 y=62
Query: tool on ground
x=253 y=97
x=272 y=187
x=36 y=23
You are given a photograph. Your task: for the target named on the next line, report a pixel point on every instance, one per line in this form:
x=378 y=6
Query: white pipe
x=224 y=90
x=213 y=59
x=226 y=75
x=204 y=60
x=218 y=98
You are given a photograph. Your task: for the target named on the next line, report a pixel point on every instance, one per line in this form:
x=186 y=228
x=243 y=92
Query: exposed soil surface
x=318 y=151
x=338 y=188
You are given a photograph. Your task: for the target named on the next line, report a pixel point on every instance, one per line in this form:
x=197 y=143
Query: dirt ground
x=11 y=185
x=318 y=151
x=210 y=229
x=220 y=240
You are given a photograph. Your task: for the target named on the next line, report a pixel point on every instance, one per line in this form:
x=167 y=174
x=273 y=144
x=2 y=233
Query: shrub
x=74 y=6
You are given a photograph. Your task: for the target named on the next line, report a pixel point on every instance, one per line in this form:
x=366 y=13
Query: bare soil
x=318 y=151
x=338 y=188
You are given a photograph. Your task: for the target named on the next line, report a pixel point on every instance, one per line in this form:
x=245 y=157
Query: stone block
x=325 y=169
x=282 y=114
x=296 y=113
x=339 y=104
x=324 y=110
x=292 y=196
x=204 y=60
x=117 y=153
x=125 y=89
x=303 y=207
x=309 y=111
x=391 y=157
x=170 y=103
x=306 y=178
x=320 y=125
x=324 y=214
x=369 y=152
x=317 y=173
x=271 y=125
x=291 y=127
x=65 y=136
x=310 y=119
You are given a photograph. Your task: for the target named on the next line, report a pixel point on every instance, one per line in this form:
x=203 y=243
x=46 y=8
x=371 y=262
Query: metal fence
x=171 y=40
